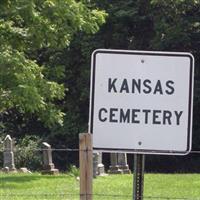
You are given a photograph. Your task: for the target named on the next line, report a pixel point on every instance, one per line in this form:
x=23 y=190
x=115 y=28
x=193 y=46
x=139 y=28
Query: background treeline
x=54 y=107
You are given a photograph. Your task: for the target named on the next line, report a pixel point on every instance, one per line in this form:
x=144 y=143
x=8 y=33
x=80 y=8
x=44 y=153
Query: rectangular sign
x=141 y=101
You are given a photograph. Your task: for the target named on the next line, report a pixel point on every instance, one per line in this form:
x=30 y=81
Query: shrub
x=73 y=171
x=27 y=153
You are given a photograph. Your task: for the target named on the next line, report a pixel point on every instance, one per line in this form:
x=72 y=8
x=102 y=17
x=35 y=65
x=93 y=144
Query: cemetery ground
x=65 y=186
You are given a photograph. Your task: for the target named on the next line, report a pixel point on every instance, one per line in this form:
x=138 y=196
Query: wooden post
x=86 y=165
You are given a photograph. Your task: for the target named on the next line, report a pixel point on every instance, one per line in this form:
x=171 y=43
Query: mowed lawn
x=65 y=187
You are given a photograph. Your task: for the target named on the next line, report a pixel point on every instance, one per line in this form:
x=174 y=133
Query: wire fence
x=10 y=183
x=69 y=150
x=77 y=196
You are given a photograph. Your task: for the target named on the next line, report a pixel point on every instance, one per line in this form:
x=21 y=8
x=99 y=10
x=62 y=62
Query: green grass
x=65 y=187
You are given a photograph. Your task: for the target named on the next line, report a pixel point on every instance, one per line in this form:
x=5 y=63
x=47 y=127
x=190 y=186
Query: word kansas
x=139 y=86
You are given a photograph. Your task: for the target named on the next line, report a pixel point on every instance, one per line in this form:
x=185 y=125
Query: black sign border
x=144 y=53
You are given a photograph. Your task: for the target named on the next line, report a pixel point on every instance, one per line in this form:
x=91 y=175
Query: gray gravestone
x=122 y=162
x=100 y=166
x=95 y=165
x=114 y=167
x=48 y=166
x=119 y=164
x=8 y=155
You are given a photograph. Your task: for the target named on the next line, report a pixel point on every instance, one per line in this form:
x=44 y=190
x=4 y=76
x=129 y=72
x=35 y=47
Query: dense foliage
x=139 y=25
x=45 y=49
x=29 y=29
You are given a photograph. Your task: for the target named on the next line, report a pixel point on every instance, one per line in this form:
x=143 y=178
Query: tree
x=27 y=30
x=157 y=25
x=177 y=28
x=139 y=25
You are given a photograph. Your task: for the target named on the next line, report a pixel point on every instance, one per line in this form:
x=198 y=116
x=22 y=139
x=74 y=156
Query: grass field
x=65 y=187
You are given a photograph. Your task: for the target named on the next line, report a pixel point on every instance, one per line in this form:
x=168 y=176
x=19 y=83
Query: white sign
x=141 y=101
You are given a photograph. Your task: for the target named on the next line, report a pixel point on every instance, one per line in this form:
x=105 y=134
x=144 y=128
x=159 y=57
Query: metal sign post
x=138 y=181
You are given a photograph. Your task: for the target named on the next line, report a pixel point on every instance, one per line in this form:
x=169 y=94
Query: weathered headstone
x=114 y=167
x=122 y=162
x=8 y=155
x=100 y=166
x=95 y=165
x=48 y=166
x=119 y=164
